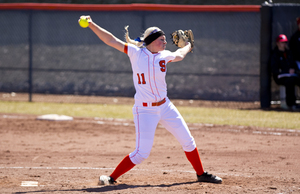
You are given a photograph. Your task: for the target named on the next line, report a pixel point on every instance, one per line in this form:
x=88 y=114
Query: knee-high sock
x=124 y=166
x=195 y=160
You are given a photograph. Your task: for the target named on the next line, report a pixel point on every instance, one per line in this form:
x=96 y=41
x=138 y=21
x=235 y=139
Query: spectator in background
x=295 y=44
x=285 y=70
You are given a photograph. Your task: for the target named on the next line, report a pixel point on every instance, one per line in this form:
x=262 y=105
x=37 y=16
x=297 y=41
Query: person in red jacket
x=284 y=69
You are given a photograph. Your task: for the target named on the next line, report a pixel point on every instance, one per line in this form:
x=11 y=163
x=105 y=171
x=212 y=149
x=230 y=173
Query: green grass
x=273 y=119
x=79 y=110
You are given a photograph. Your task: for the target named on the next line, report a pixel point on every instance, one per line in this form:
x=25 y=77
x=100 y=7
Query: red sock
x=195 y=160
x=124 y=166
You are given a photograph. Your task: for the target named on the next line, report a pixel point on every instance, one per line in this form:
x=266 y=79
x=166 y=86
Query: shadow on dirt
x=107 y=188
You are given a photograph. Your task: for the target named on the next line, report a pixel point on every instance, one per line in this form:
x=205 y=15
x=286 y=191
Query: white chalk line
x=84 y=168
x=96 y=168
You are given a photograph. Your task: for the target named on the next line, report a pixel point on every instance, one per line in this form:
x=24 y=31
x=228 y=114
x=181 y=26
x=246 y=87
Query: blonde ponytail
x=129 y=40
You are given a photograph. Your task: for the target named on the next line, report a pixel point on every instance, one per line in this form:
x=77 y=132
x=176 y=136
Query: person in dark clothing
x=285 y=71
x=295 y=44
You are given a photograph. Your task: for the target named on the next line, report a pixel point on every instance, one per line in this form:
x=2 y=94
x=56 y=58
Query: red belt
x=155 y=103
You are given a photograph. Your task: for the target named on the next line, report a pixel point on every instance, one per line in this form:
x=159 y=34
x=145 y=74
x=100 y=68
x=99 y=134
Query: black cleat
x=209 y=178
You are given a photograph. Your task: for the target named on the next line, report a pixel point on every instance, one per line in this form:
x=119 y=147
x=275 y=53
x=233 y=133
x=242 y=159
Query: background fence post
x=30 y=55
x=265 y=52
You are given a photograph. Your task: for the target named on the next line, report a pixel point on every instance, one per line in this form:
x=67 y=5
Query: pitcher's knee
x=138 y=157
x=189 y=146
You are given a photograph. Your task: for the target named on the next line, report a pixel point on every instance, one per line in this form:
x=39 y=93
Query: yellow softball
x=83 y=22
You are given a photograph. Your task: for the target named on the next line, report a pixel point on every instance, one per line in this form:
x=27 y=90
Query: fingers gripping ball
x=84 y=21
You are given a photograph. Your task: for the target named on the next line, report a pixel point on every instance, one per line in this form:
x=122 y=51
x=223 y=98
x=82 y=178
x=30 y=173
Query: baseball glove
x=180 y=38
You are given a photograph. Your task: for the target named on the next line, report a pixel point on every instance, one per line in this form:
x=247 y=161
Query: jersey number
x=143 y=78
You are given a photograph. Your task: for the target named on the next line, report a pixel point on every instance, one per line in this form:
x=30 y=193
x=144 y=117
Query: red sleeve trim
x=126 y=48
x=130 y=7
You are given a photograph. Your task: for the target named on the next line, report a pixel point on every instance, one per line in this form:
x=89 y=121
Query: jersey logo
x=162 y=65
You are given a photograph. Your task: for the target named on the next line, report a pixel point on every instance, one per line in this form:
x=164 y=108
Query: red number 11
x=143 y=78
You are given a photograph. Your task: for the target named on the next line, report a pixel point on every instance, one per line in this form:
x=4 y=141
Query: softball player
x=149 y=61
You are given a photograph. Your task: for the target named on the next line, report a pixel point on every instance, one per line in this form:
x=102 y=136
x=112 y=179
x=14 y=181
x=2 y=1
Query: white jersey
x=149 y=72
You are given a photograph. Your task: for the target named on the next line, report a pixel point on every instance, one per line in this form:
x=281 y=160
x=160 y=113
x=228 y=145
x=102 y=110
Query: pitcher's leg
x=195 y=160
x=124 y=166
x=146 y=120
x=176 y=125
x=172 y=120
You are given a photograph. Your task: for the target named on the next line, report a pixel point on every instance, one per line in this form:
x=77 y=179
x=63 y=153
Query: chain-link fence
x=46 y=52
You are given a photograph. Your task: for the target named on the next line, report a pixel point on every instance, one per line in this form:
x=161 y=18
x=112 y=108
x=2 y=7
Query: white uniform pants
x=146 y=120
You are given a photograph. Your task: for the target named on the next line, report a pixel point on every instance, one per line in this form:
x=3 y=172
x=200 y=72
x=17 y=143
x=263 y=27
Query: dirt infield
x=69 y=156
